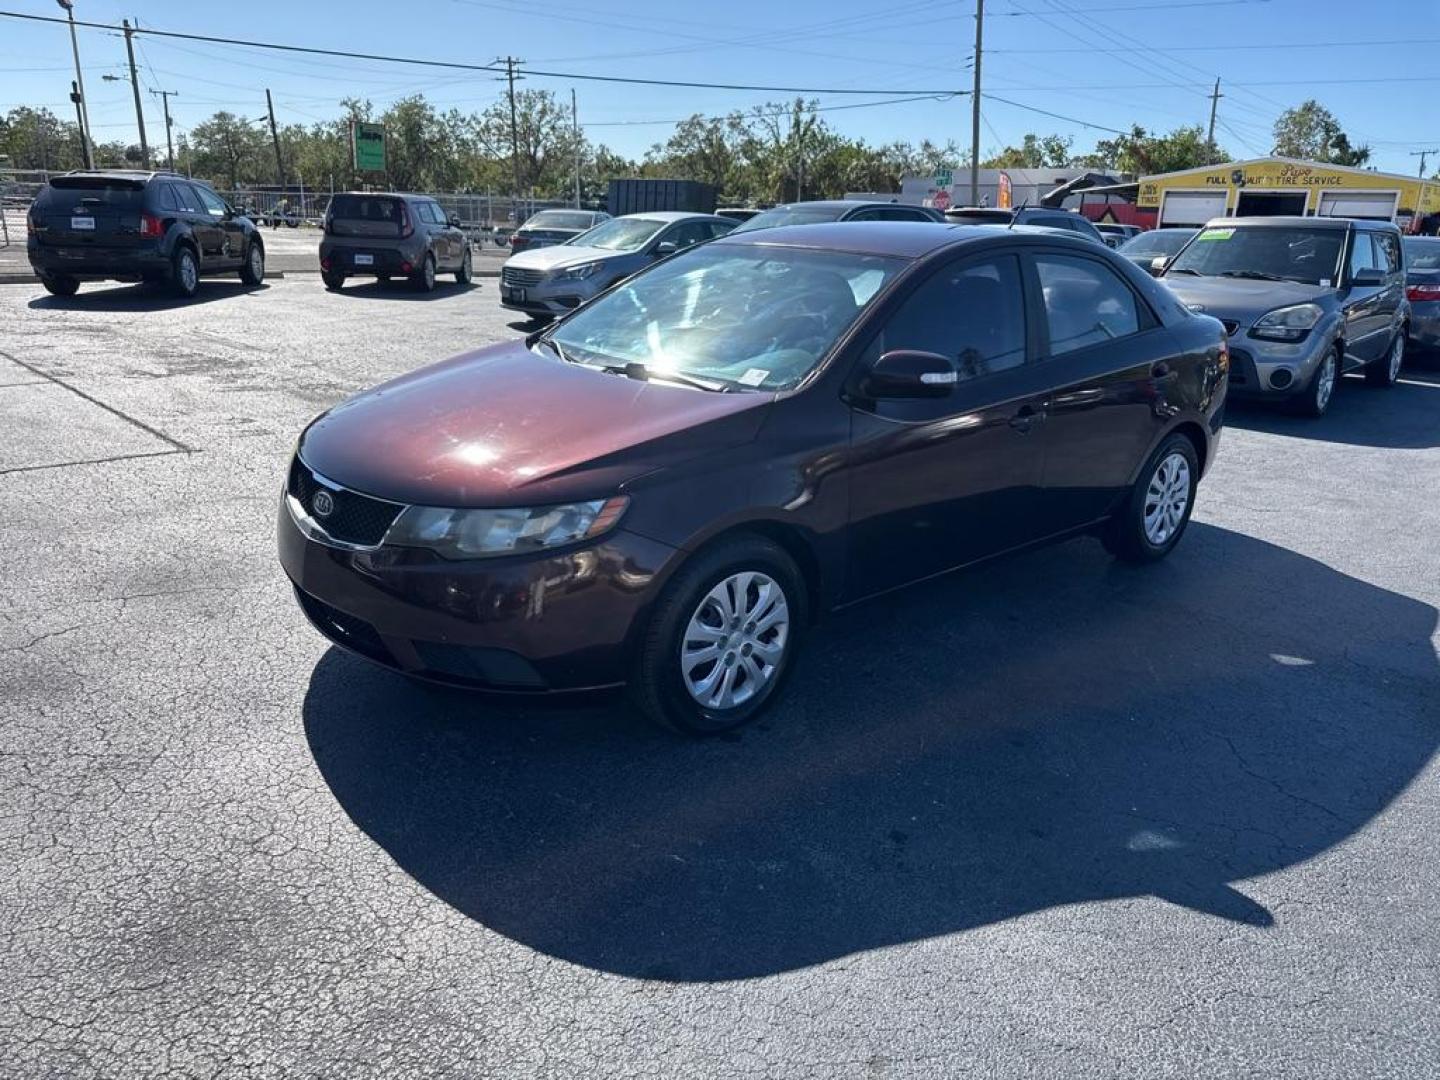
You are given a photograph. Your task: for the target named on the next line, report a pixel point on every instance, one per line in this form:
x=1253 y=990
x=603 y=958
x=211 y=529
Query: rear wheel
x=61 y=285
x=1316 y=398
x=333 y=280
x=1386 y=370
x=722 y=638
x=424 y=277
x=467 y=270
x=253 y=272
x=184 y=271
x=1155 y=515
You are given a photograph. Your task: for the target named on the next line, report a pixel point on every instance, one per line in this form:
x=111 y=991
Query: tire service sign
x=367 y=144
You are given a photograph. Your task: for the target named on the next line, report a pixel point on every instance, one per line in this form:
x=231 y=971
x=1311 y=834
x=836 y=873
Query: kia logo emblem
x=323 y=504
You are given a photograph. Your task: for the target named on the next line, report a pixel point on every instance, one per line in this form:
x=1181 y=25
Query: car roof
x=125 y=174
x=667 y=215
x=837 y=204
x=1290 y=221
x=900 y=239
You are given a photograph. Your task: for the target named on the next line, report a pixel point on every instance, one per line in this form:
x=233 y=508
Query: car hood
x=1239 y=298
x=505 y=426
x=560 y=256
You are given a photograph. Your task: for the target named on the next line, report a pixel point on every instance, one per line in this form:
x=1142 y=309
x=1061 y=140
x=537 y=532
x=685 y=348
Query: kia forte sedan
x=667 y=487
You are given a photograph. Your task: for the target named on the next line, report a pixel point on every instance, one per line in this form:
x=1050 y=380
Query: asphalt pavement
x=1057 y=818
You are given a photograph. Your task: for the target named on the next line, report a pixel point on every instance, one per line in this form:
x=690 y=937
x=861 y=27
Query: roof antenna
x=1016 y=216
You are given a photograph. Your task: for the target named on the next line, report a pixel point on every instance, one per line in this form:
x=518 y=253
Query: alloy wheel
x=1397 y=356
x=189 y=273
x=257 y=263
x=735 y=641
x=1325 y=381
x=1167 y=498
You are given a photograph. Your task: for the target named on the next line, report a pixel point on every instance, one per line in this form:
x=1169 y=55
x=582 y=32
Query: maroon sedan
x=669 y=485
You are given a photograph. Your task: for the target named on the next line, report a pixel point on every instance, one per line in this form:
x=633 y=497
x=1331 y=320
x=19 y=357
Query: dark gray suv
x=382 y=235
x=1303 y=299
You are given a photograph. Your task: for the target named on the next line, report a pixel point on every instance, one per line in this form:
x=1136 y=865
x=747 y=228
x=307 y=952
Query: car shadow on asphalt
x=1405 y=416
x=1056 y=730
x=141 y=298
x=397 y=289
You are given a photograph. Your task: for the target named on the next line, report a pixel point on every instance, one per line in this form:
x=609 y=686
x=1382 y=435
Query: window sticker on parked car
x=1216 y=234
x=754 y=377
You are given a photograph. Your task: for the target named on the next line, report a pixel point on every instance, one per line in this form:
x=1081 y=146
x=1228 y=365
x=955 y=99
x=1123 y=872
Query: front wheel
x=253 y=272
x=467 y=269
x=722 y=638
x=1315 y=400
x=424 y=279
x=1155 y=514
x=61 y=285
x=1386 y=370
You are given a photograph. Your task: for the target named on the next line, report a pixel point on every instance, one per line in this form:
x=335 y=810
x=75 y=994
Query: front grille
x=514 y=275
x=356 y=518
x=1230 y=325
x=1242 y=368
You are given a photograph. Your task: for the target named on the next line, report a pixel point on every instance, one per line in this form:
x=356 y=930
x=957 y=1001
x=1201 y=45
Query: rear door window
x=425 y=212
x=1086 y=303
x=167 y=199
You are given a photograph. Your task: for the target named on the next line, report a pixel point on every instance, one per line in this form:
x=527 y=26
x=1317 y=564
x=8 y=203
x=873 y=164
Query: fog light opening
x=1281 y=378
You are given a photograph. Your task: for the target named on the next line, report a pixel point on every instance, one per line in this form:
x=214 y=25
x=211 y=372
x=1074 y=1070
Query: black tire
x=424 y=277
x=1126 y=535
x=384 y=279
x=1315 y=400
x=333 y=280
x=467 y=270
x=184 y=272
x=61 y=285
x=1384 y=371
x=252 y=271
x=657 y=685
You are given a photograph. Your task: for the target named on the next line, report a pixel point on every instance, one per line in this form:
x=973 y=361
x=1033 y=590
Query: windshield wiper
x=1256 y=275
x=1182 y=270
x=555 y=345
x=636 y=370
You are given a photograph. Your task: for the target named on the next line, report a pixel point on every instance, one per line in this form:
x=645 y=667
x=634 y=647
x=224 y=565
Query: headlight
x=578 y=273
x=1287 y=323
x=477 y=534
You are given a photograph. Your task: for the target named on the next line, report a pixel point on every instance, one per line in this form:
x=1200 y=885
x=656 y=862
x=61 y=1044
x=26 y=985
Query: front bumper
x=548 y=297
x=1259 y=367
x=527 y=623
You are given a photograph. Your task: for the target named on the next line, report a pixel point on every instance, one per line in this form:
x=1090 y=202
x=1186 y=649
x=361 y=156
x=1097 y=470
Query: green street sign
x=943 y=179
x=367 y=144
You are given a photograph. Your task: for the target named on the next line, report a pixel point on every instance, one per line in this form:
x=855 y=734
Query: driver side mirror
x=1158 y=264
x=910 y=373
x=453 y=221
x=1368 y=277
x=666 y=247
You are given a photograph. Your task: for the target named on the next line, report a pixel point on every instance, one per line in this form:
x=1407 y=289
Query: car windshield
x=738 y=315
x=619 y=234
x=791 y=215
x=1158 y=242
x=1422 y=253
x=1299 y=254
x=560 y=219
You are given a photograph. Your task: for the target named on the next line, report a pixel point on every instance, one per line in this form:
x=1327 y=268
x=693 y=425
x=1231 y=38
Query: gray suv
x=547 y=282
x=1304 y=300
x=370 y=234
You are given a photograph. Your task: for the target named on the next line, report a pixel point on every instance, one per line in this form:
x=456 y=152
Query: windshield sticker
x=1324 y=283
x=1216 y=234
x=754 y=377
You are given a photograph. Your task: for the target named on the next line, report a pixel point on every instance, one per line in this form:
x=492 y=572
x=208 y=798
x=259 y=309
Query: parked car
x=1025 y=215
x=133 y=225
x=554 y=280
x=385 y=235
x=822 y=211
x=1303 y=299
x=1422 y=289
x=1114 y=235
x=1154 y=248
x=668 y=486
x=738 y=213
x=554 y=227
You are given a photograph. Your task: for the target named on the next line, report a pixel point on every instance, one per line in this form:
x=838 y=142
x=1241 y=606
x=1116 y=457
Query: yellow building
x=1277 y=185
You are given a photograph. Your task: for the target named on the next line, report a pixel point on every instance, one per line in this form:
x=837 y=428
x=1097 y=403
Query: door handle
x=1160 y=370
x=1024 y=418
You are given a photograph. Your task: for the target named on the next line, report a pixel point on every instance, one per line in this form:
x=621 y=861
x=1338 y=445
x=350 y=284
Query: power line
x=1055 y=115
x=489 y=68
x=774 y=112
x=1152 y=8
x=1231 y=48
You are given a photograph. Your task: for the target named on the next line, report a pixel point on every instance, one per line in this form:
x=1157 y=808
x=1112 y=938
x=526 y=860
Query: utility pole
x=510 y=62
x=975 y=106
x=575 y=123
x=1422 y=155
x=275 y=138
x=1215 y=97
x=165 y=96
x=77 y=89
x=135 y=88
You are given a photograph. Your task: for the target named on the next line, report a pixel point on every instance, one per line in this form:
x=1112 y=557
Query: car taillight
x=405 y=227
x=1423 y=293
x=517 y=242
x=150 y=225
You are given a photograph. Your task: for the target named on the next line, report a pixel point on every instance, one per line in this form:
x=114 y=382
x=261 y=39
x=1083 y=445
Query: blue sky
x=1039 y=53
